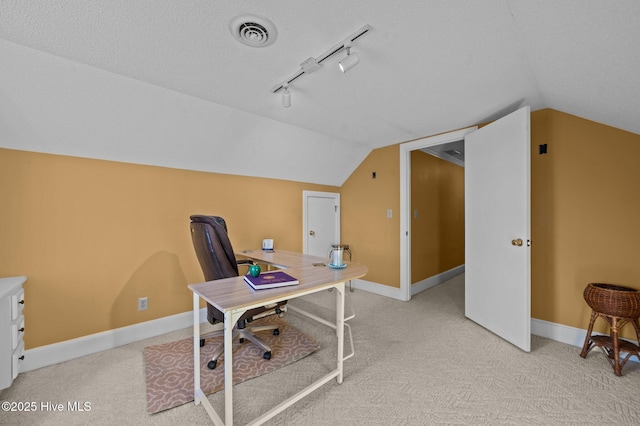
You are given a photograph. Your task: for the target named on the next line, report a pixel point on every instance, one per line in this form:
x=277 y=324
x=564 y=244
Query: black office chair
x=217 y=259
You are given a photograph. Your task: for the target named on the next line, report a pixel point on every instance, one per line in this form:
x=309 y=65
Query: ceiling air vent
x=254 y=31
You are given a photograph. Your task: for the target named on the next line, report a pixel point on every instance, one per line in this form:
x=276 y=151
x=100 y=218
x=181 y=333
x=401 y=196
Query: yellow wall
x=585 y=213
x=584 y=219
x=437 y=234
x=92 y=236
x=373 y=238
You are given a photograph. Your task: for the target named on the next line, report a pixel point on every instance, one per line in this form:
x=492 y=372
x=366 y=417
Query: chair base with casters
x=241 y=332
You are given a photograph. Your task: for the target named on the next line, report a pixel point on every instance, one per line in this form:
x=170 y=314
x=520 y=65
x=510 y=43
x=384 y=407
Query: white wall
x=53 y=105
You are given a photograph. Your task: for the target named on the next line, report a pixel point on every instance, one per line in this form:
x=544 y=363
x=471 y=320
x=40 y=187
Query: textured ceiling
x=425 y=67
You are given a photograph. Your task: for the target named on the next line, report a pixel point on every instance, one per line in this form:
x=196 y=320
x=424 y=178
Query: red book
x=271 y=279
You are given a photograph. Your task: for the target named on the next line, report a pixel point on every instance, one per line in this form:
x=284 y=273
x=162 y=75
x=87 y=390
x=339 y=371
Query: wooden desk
x=282 y=258
x=286 y=259
x=233 y=297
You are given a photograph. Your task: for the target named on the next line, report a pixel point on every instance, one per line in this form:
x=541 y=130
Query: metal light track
x=335 y=49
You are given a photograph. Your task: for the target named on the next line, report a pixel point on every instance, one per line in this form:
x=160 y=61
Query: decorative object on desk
x=169 y=366
x=254 y=270
x=336 y=254
x=338 y=263
x=271 y=279
x=267 y=245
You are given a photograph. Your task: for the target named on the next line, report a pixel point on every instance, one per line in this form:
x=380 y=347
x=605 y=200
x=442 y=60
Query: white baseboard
x=44 y=356
x=375 y=288
x=55 y=353
x=395 y=293
x=435 y=280
x=560 y=333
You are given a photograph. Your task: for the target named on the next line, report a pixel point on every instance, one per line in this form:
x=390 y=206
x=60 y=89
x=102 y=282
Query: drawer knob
x=21 y=330
x=21 y=302
x=21 y=358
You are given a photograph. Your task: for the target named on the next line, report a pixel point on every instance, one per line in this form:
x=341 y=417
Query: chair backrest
x=213 y=248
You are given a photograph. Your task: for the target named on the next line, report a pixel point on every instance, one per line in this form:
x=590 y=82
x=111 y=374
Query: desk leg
x=228 y=368
x=196 y=348
x=340 y=328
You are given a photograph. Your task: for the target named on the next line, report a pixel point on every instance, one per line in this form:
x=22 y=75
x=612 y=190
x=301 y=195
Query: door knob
x=312 y=233
x=517 y=242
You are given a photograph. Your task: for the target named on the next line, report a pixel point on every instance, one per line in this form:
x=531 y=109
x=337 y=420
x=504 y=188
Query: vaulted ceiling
x=426 y=67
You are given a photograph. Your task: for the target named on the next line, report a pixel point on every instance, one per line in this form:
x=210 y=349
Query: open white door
x=497 y=228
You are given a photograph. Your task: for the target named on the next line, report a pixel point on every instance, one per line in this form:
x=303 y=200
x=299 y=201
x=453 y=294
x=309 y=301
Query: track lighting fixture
x=313 y=64
x=286 y=96
x=349 y=61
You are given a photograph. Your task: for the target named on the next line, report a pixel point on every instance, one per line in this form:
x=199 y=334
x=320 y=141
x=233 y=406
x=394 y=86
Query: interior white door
x=497 y=228
x=321 y=223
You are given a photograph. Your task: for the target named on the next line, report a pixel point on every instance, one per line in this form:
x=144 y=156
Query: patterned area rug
x=169 y=366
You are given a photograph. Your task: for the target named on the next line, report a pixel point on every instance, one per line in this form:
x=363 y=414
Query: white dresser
x=11 y=328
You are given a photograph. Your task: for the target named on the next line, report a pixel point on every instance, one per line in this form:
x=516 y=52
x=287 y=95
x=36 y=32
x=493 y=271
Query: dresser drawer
x=17 y=332
x=17 y=304
x=11 y=329
x=16 y=360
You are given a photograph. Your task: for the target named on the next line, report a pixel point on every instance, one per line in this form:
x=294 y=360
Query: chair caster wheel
x=241 y=340
x=201 y=343
x=267 y=355
x=211 y=365
x=276 y=331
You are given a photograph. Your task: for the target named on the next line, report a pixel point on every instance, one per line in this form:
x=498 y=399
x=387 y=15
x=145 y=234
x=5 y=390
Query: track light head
x=286 y=96
x=349 y=61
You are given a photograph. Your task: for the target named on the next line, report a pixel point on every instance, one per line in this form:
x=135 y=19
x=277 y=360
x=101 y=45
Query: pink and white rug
x=169 y=366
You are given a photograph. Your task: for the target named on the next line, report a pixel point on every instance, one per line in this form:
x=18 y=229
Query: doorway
x=497 y=224
x=405 y=199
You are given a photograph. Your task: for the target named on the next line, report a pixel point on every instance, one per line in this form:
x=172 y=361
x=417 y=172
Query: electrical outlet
x=143 y=303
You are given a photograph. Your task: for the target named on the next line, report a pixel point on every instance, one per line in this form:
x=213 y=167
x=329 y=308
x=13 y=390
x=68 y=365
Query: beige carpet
x=169 y=366
x=417 y=363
